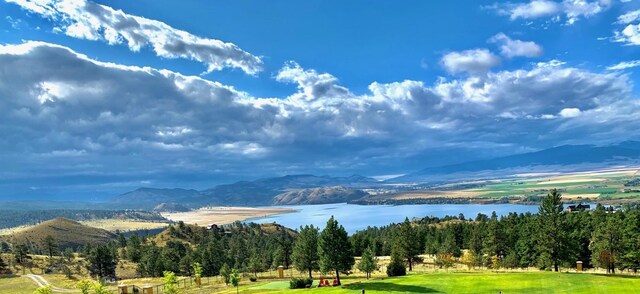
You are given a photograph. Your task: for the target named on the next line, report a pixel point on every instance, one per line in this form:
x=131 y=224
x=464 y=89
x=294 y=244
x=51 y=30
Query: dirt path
x=41 y=282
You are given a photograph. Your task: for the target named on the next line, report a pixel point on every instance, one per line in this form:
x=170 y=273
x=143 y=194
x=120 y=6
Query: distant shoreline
x=221 y=215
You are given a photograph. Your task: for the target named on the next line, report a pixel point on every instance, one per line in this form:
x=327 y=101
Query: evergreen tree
x=335 y=249
x=50 y=245
x=102 y=261
x=225 y=272
x=255 y=263
x=607 y=243
x=21 y=251
x=305 y=250
x=368 y=262
x=397 y=266
x=551 y=238
x=408 y=243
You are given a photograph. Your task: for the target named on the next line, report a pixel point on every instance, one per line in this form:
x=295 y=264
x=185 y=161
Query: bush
x=396 y=267
x=253 y=279
x=300 y=283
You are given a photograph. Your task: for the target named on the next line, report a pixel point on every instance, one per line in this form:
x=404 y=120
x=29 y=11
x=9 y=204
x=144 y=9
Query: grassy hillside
x=65 y=232
x=15 y=218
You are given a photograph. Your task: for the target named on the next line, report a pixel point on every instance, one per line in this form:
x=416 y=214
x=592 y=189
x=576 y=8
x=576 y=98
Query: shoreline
x=222 y=215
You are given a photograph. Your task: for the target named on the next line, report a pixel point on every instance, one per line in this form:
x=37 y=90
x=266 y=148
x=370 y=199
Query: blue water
x=358 y=217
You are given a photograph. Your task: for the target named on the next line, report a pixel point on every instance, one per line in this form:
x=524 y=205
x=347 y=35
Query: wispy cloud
x=624 y=65
x=571 y=10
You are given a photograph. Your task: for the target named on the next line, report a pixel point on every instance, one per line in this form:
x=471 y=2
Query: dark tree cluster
x=246 y=247
x=550 y=239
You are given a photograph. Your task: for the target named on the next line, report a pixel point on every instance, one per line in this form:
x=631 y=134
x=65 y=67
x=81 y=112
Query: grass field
x=481 y=282
x=433 y=282
x=16 y=285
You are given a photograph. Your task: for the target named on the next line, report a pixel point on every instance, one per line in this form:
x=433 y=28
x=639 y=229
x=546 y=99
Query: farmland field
x=612 y=185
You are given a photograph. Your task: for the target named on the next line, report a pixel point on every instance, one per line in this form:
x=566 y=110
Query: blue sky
x=101 y=97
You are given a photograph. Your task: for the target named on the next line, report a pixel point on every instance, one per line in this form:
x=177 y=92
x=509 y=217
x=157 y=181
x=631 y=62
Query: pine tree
x=255 y=263
x=335 y=249
x=50 y=244
x=551 y=238
x=368 y=262
x=305 y=250
x=408 y=243
x=225 y=272
x=607 y=243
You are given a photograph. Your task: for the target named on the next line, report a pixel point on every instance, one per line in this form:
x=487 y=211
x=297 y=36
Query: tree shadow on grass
x=389 y=287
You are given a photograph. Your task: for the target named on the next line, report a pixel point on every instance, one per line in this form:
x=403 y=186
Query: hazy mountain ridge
x=246 y=193
x=568 y=156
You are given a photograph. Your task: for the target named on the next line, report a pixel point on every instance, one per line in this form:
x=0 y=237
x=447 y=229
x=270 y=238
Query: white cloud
x=133 y=120
x=629 y=17
x=533 y=9
x=624 y=65
x=513 y=48
x=571 y=10
x=88 y=20
x=476 y=61
x=311 y=84
x=570 y=112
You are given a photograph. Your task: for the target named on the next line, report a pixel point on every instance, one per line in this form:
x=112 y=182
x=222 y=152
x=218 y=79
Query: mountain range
x=311 y=189
x=564 y=158
x=252 y=193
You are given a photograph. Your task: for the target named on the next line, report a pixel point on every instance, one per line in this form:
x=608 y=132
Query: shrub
x=253 y=279
x=300 y=283
x=396 y=267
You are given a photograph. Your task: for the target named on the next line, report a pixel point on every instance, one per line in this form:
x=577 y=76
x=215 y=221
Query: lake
x=357 y=217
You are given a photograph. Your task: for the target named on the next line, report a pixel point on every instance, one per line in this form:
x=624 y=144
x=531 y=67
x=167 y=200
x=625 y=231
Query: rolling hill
x=65 y=232
x=322 y=195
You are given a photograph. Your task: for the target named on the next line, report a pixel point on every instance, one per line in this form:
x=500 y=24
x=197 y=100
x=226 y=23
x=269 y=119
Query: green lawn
x=482 y=282
x=16 y=285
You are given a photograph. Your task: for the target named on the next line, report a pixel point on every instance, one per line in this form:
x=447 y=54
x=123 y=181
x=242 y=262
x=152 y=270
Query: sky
x=99 y=98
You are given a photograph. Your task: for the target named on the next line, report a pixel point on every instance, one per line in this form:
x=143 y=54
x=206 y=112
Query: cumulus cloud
x=88 y=20
x=63 y=113
x=570 y=112
x=571 y=10
x=514 y=48
x=476 y=61
x=630 y=34
x=312 y=85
